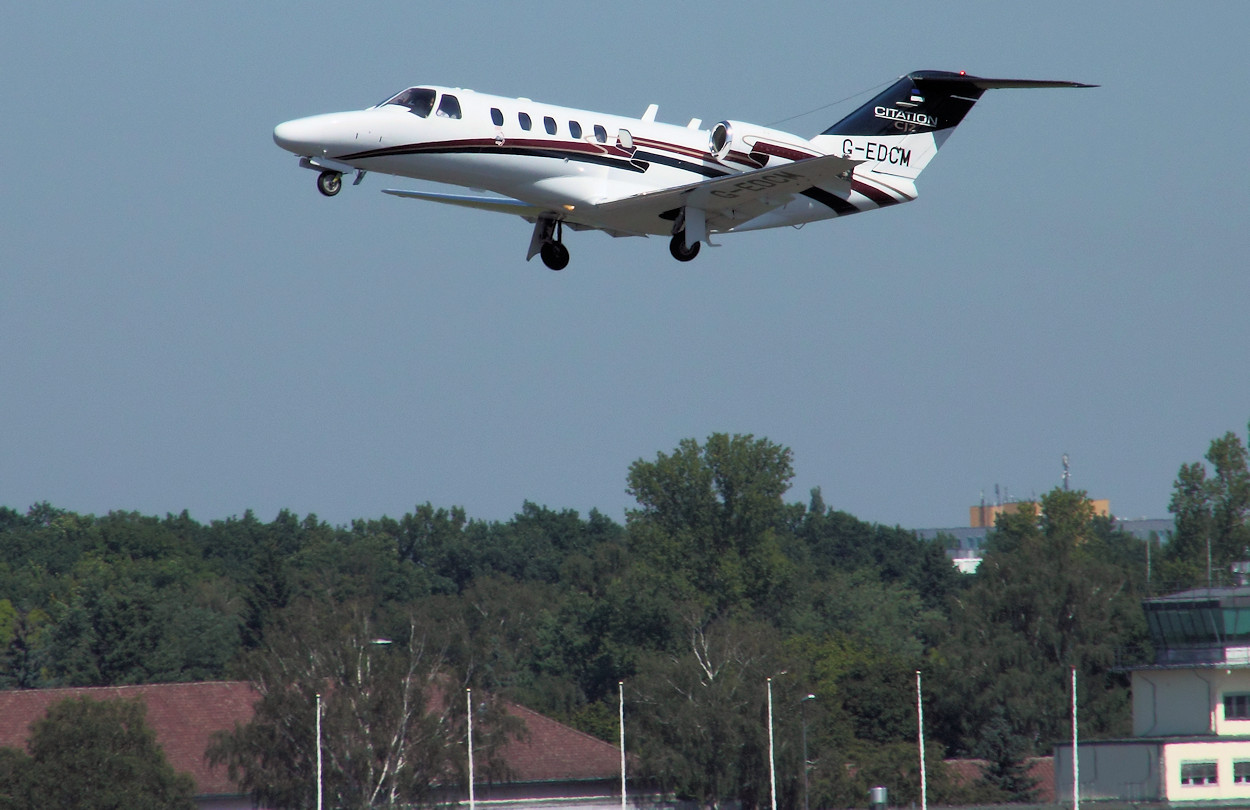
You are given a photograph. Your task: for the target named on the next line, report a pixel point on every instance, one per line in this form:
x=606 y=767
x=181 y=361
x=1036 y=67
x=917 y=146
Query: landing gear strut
x=678 y=248
x=330 y=183
x=548 y=242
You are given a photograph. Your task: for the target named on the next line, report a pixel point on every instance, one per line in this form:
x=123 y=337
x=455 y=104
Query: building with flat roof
x=1191 y=709
x=966 y=543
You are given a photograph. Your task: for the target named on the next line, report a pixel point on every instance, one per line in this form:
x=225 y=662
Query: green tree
x=838 y=542
x=15 y=771
x=93 y=755
x=700 y=714
x=1211 y=515
x=1006 y=755
x=139 y=621
x=708 y=520
x=1042 y=601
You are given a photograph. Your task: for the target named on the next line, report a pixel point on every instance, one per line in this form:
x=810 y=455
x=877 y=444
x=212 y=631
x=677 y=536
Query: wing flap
x=502 y=205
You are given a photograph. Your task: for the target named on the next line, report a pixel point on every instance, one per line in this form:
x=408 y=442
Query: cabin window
x=601 y=134
x=1241 y=772
x=1237 y=707
x=575 y=129
x=418 y=100
x=496 y=116
x=1199 y=773
x=524 y=119
x=549 y=124
x=449 y=107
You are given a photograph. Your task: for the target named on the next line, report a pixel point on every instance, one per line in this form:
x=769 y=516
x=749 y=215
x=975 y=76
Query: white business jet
x=557 y=167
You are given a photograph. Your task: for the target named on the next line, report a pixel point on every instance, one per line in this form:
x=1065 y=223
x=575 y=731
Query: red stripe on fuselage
x=880 y=197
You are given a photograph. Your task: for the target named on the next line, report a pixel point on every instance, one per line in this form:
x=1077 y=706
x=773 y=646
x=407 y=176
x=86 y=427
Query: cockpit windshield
x=418 y=100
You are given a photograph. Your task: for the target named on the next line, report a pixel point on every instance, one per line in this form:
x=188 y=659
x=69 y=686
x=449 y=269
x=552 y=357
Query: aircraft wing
x=733 y=199
x=502 y=205
x=726 y=201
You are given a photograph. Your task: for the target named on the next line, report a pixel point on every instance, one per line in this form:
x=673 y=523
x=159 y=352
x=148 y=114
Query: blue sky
x=186 y=324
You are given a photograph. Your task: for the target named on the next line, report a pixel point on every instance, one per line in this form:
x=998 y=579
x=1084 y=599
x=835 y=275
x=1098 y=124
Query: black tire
x=677 y=247
x=330 y=183
x=555 y=255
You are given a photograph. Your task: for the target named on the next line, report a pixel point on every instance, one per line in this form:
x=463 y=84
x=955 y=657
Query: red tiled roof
x=1042 y=769
x=183 y=715
x=553 y=752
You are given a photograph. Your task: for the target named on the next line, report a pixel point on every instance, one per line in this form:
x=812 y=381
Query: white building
x=1191 y=710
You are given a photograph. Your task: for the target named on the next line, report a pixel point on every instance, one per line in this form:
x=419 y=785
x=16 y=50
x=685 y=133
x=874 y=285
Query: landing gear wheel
x=330 y=183
x=555 y=255
x=678 y=248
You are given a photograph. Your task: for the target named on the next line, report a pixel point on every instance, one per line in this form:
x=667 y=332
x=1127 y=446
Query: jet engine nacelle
x=754 y=144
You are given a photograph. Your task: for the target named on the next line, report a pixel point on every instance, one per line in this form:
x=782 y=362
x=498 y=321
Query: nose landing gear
x=330 y=183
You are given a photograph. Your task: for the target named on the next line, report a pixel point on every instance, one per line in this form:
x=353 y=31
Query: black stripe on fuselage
x=637 y=162
x=684 y=165
x=623 y=164
x=840 y=206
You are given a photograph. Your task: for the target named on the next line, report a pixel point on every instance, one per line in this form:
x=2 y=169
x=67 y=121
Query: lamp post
x=468 y=698
x=319 y=751
x=772 y=760
x=803 y=712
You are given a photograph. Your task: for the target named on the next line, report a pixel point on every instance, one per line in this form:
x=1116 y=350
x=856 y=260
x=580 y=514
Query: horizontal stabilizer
x=1008 y=84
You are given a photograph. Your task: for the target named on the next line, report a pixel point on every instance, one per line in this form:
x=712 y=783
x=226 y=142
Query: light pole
x=803 y=711
x=468 y=698
x=772 y=759
x=319 y=788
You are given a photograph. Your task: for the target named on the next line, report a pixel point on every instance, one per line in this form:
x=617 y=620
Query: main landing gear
x=330 y=183
x=555 y=255
x=548 y=242
x=677 y=247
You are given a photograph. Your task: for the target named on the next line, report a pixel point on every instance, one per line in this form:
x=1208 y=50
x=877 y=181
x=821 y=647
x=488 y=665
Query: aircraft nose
x=295 y=136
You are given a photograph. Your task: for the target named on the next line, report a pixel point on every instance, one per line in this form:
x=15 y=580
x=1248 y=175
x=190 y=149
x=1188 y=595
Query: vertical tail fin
x=899 y=131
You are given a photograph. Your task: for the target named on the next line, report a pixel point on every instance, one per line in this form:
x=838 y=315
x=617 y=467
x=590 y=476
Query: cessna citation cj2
x=557 y=167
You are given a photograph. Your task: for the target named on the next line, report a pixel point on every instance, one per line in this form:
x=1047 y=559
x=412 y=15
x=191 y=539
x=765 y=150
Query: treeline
x=714 y=584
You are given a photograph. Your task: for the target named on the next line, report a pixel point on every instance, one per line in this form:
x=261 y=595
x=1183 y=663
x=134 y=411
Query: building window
x=496 y=116
x=1241 y=772
x=1198 y=773
x=1237 y=707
